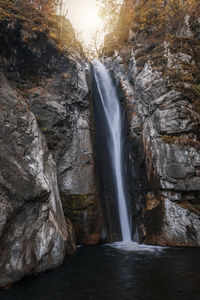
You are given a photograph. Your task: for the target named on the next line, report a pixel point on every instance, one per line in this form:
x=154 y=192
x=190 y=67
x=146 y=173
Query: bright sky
x=84 y=17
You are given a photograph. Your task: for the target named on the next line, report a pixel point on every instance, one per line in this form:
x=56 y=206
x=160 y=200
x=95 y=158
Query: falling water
x=111 y=109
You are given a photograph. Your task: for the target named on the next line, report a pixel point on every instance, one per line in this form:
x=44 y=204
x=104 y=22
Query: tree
x=150 y=15
x=109 y=12
x=125 y=20
x=95 y=47
x=45 y=6
x=161 y=17
x=52 y=7
x=62 y=11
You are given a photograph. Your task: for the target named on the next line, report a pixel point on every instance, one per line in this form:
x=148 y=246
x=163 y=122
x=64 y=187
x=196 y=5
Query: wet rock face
x=46 y=154
x=62 y=109
x=55 y=85
x=33 y=232
x=162 y=152
x=184 y=223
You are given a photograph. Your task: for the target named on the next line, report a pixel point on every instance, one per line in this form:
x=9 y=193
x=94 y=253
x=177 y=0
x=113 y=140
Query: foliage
x=45 y=6
x=49 y=6
x=161 y=28
x=118 y=30
x=94 y=48
x=109 y=12
x=125 y=21
x=149 y=15
x=161 y=17
x=22 y=12
x=33 y=21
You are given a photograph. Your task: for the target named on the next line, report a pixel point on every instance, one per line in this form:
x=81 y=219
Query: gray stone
x=173 y=196
x=178 y=171
x=150 y=84
x=196 y=159
x=62 y=109
x=174 y=120
x=164 y=151
x=180 y=226
x=33 y=232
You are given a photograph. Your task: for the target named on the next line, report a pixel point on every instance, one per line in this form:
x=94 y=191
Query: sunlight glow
x=84 y=17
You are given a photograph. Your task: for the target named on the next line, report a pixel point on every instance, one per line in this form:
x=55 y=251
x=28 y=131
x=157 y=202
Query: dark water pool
x=101 y=273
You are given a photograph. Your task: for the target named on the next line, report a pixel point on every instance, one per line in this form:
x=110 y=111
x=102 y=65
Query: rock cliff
x=49 y=194
x=34 y=234
x=158 y=87
x=46 y=144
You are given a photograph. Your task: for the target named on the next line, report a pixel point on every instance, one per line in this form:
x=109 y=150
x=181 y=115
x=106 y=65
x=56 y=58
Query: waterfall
x=112 y=116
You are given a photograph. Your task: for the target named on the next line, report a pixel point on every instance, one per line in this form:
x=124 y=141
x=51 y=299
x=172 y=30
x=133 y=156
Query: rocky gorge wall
x=62 y=108
x=34 y=234
x=49 y=181
x=49 y=198
x=162 y=137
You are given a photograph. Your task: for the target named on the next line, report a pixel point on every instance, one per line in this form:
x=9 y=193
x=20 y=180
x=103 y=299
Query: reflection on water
x=106 y=273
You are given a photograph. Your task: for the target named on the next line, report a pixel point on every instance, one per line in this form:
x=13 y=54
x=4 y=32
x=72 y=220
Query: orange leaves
x=162 y=16
x=45 y=6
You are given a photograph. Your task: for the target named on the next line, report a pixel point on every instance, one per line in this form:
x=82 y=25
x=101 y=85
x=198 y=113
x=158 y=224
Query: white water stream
x=111 y=108
x=112 y=114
